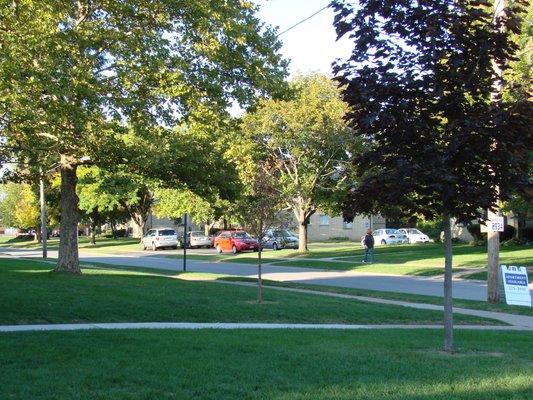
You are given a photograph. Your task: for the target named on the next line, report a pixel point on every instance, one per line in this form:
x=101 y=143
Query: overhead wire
x=302 y=21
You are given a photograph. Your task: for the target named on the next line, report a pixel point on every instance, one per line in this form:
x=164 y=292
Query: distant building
x=324 y=227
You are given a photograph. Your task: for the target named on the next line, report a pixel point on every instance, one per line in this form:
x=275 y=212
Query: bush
x=475 y=231
x=511 y=242
x=431 y=228
x=119 y=233
x=339 y=239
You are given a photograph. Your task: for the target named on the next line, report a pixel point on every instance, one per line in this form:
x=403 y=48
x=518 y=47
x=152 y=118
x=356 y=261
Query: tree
x=307 y=137
x=95 y=201
x=19 y=207
x=419 y=82
x=259 y=206
x=75 y=76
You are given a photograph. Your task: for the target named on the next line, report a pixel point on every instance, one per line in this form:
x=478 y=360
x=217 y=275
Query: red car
x=235 y=241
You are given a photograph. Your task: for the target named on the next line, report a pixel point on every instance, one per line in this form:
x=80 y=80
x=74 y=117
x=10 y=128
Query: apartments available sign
x=516 y=285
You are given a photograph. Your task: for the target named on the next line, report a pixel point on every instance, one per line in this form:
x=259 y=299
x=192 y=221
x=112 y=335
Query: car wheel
x=234 y=249
x=174 y=247
x=154 y=247
x=383 y=241
x=143 y=246
x=275 y=246
x=219 y=250
x=408 y=240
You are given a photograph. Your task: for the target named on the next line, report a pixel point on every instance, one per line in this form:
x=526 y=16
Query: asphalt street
x=462 y=289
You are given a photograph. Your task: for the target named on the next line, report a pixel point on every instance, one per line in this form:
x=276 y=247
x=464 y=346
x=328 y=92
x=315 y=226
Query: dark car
x=277 y=239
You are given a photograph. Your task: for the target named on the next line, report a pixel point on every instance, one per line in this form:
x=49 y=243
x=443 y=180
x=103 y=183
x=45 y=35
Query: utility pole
x=44 y=229
x=185 y=242
x=493 y=238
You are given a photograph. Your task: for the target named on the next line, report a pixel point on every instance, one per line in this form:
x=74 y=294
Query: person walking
x=368 y=242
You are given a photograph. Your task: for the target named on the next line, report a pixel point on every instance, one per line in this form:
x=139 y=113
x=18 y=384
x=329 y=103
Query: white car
x=198 y=239
x=389 y=236
x=414 y=235
x=159 y=238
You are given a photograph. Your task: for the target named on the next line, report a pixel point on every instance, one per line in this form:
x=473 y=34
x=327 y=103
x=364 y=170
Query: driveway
x=462 y=289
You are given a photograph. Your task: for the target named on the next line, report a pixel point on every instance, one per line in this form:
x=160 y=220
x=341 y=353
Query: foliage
x=419 y=80
x=475 y=230
x=78 y=78
x=431 y=228
x=307 y=137
x=519 y=75
x=19 y=207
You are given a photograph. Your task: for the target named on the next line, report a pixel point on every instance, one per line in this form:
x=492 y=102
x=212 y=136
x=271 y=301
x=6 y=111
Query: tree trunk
x=302 y=230
x=113 y=230
x=448 y=303
x=68 y=260
x=93 y=233
x=140 y=221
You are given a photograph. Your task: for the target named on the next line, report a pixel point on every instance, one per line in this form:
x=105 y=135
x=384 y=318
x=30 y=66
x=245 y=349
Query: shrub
x=119 y=233
x=475 y=231
x=431 y=228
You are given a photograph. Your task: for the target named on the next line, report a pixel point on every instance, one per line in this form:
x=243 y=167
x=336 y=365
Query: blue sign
x=515 y=279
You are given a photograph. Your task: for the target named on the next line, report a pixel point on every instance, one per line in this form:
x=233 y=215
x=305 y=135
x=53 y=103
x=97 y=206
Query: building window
x=347 y=225
x=323 y=220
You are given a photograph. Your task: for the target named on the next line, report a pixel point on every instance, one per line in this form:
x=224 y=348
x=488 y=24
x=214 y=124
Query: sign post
x=185 y=242
x=515 y=285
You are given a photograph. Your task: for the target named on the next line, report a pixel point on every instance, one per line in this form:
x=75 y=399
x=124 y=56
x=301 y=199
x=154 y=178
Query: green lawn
x=413 y=298
x=103 y=245
x=279 y=364
x=421 y=260
x=29 y=293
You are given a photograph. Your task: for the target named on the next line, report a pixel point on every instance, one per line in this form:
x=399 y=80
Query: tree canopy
x=306 y=136
x=77 y=76
x=420 y=81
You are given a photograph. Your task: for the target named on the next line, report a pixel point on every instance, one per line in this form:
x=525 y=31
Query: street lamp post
x=185 y=242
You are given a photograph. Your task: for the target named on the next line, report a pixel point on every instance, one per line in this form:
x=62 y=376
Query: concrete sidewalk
x=516 y=320
x=429 y=286
x=236 y=325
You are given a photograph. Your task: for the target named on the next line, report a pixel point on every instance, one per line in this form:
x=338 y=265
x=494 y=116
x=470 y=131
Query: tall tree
x=419 y=82
x=307 y=137
x=74 y=74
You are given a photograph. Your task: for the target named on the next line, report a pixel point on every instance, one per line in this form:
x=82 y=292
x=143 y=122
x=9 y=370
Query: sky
x=310 y=46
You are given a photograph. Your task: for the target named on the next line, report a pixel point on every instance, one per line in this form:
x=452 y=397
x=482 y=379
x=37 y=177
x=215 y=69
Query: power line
x=303 y=20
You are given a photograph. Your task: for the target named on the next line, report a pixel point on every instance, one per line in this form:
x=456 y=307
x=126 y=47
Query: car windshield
x=390 y=231
x=197 y=234
x=414 y=232
x=167 y=232
x=241 y=235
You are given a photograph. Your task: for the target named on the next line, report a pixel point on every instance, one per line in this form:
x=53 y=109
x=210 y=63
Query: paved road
x=471 y=290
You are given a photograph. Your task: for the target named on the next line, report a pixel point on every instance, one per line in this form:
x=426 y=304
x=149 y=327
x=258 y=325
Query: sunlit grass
x=279 y=364
x=119 y=295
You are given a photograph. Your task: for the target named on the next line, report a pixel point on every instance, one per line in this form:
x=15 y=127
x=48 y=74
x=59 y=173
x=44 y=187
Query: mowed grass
x=30 y=293
x=103 y=245
x=253 y=364
x=416 y=259
x=412 y=298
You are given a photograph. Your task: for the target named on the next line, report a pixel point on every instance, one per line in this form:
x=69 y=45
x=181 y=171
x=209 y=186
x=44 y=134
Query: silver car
x=198 y=239
x=159 y=238
x=277 y=239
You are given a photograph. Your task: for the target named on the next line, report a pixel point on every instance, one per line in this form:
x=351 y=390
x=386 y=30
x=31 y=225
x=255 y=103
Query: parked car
x=235 y=241
x=198 y=239
x=277 y=239
x=160 y=238
x=414 y=235
x=389 y=236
